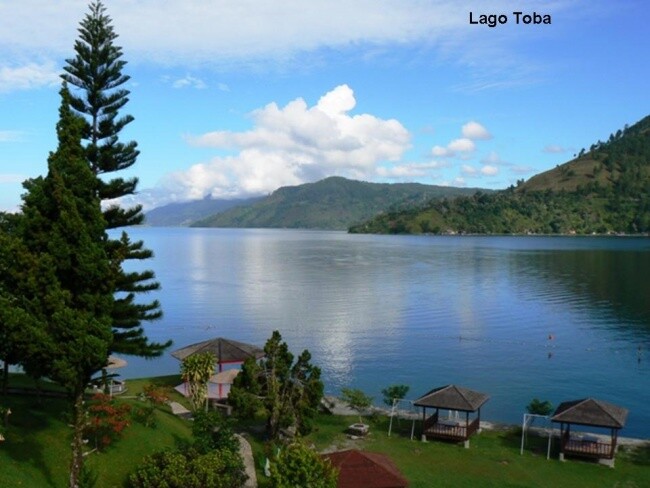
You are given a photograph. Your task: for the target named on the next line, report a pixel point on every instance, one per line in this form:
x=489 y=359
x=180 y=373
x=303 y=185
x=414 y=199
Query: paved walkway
x=246 y=452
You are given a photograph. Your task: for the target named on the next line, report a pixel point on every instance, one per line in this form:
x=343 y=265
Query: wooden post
x=424 y=418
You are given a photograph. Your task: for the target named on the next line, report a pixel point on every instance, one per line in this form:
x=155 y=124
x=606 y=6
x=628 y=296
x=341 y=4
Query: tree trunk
x=5 y=377
x=77 y=438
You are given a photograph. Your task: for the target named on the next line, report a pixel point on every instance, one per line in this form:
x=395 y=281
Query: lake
x=557 y=318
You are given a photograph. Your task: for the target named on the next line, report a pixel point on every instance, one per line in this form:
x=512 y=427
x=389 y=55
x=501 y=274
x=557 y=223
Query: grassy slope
x=37 y=449
x=493 y=459
x=604 y=190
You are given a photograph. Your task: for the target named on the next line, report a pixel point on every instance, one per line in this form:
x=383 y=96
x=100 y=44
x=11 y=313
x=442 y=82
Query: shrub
x=156 y=395
x=107 y=419
x=299 y=466
x=4 y=415
x=189 y=469
x=144 y=414
x=213 y=431
x=153 y=395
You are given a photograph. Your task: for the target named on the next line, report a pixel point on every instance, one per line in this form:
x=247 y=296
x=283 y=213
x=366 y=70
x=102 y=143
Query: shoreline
x=336 y=406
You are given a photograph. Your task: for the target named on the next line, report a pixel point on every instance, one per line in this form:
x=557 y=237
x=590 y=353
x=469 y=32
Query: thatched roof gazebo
x=227 y=351
x=452 y=398
x=363 y=469
x=592 y=413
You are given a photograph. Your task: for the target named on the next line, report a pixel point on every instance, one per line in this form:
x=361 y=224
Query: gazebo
x=592 y=413
x=452 y=398
x=227 y=351
x=362 y=469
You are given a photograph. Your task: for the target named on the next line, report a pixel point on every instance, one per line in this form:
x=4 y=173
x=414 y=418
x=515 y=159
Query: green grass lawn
x=493 y=459
x=36 y=452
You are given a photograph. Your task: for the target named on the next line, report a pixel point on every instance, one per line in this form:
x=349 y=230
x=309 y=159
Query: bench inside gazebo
x=454 y=399
x=592 y=413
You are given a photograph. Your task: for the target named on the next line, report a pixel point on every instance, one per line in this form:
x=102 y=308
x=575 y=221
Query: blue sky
x=235 y=98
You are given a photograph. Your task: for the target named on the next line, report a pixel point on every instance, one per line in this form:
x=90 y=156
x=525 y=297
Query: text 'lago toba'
x=492 y=20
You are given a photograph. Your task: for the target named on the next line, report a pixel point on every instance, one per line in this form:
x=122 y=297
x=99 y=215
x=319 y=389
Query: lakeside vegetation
x=35 y=452
x=604 y=190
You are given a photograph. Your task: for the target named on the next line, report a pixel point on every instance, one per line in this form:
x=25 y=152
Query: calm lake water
x=557 y=318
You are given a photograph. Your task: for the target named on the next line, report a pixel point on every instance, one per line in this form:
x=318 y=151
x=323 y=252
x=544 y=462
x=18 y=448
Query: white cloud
x=409 y=170
x=468 y=170
x=489 y=170
x=492 y=159
x=440 y=152
x=190 y=81
x=463 y=145
x=475 y=131
x=291 y=145
x=218 y=33
x=28 y=76
x=459 y=181
x=458 y=147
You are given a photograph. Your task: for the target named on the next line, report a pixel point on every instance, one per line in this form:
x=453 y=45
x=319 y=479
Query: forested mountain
x=332 y=203
x=186 y=213
x=605 y=189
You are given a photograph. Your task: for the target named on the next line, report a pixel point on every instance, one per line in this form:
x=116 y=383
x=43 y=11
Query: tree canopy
x=96 y=74
x=61 y=275
x=288 y=393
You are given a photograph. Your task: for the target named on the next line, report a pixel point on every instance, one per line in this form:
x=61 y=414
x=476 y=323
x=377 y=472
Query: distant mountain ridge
x=186 y=213
x=604 y=190
x=332 y=203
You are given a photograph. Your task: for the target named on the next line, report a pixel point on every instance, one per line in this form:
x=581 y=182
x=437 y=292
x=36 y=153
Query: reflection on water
x=516 y=317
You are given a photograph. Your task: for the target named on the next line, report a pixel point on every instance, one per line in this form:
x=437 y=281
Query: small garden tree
x=356 y=399
x=539 y=407
x=196 y=371
x=298 y=465
x=289 y=394
x=394 y=392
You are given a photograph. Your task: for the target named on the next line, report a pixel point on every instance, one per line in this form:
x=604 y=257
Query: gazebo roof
x=589 y=411
x=362 y=469
x=226 y=350
x=452 y=397
x=226 y=377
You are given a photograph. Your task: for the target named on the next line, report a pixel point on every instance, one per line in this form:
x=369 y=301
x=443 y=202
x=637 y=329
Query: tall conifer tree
x=67 y=292
x=96 y=72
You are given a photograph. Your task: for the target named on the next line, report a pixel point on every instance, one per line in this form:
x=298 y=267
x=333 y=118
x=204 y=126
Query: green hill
x=606 y=189
x=332 y=203
x=185 y=213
